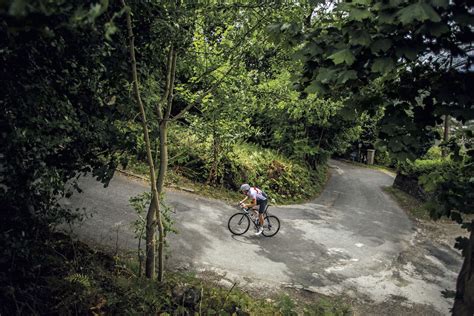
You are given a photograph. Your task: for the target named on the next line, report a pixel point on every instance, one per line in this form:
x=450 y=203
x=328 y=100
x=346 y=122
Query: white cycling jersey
x=256 y=193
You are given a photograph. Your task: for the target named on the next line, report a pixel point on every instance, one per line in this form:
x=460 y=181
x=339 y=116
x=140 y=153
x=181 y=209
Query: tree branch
x=218 y=82
x=167 y=84
x=212 y=88
x=171 y=85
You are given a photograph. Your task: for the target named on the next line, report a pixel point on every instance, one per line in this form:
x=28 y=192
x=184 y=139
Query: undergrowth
x=72 y=279
x=285 y=180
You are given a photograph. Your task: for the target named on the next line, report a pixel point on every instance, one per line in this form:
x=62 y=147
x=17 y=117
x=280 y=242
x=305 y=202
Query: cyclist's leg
x=262 y=208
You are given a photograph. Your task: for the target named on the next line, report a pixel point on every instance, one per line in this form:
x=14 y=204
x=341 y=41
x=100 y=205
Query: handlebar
x=245 y=209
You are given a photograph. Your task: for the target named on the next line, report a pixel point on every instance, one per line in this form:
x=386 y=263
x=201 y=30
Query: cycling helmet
x=244 y=187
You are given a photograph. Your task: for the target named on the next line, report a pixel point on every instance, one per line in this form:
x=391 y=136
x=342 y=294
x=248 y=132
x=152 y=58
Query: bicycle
x=239 y=223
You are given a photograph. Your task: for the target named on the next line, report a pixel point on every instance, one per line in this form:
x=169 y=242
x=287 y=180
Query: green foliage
x=423 y=166
x=58 y=118
x=283 y=178
x=57 y=121
x=434 y=153
x=448 y=180
x=309 y=130
x=325 y=307
x=286 y=306
x=280 y=177
x=80 y=279
x=343 y=56
x=452 y=186
x=417 y=51
x=140 y=204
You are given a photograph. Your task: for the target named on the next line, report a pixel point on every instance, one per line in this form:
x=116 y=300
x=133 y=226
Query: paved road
x=352 y=240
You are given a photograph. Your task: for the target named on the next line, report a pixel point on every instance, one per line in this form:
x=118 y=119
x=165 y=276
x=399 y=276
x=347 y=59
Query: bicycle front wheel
x=238 y=223
x=271 y=226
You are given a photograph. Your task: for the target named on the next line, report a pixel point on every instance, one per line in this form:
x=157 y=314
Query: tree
x=190 y=33
x=223 y=121
x=58 y=120
x=421 y=51
x=152 y=216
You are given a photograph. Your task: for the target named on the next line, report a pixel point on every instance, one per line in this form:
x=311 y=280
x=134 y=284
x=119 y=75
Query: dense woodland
x=217 y=93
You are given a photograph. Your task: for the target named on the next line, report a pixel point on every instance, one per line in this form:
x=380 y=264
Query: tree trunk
x=160 y=185
x=446 y=134
x=151 y=218
x=163 y=117
x=464 y=300
x=212 y=177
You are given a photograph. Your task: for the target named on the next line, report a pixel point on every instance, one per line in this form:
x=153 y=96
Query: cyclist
x=258 y=200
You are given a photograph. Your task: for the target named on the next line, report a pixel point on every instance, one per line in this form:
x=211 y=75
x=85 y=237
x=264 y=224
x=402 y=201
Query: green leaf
x=347 y=75
x=438 y=29
x=464 y=19
x=274 y=31
x=325 y=75
x=430 y=12
x=343 y=56
x=381 y=45
x=362 y=2
x=360 y=37
x=409 y=52
x=440 y=3
x=419 y=11
x=386 y=18
x=359 y=14
x=348 y=113
x=274 y=28
x=110 y=29
x=312 y=49
x=396 y=3
x=383 y=65
x=315 y=87
x=314 y=3
x=17 y=8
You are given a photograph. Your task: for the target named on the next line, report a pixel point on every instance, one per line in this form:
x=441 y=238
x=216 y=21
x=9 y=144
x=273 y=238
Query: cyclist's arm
x=252 y=203
x=244 y=200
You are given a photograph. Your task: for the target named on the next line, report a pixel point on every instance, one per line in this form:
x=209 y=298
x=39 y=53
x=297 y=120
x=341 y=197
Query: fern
x=81 y=279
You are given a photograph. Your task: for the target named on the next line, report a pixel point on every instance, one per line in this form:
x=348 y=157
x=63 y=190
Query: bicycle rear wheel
x=238 y=223
x=271 y=226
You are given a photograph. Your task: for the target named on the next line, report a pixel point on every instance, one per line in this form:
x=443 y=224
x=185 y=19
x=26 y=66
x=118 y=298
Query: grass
x=411 y=205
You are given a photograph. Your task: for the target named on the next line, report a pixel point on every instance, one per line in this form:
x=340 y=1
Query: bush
x=282 y=178
x=421 y=167
x=433 y=153
x=447 y=180
x=383 y=158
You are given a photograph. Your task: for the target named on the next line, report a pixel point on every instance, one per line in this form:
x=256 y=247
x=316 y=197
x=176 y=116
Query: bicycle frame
x=238 y=219
x=247 y=213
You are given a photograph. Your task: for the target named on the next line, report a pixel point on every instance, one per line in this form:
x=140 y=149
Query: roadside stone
x=186 y=189
x=225 y=283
